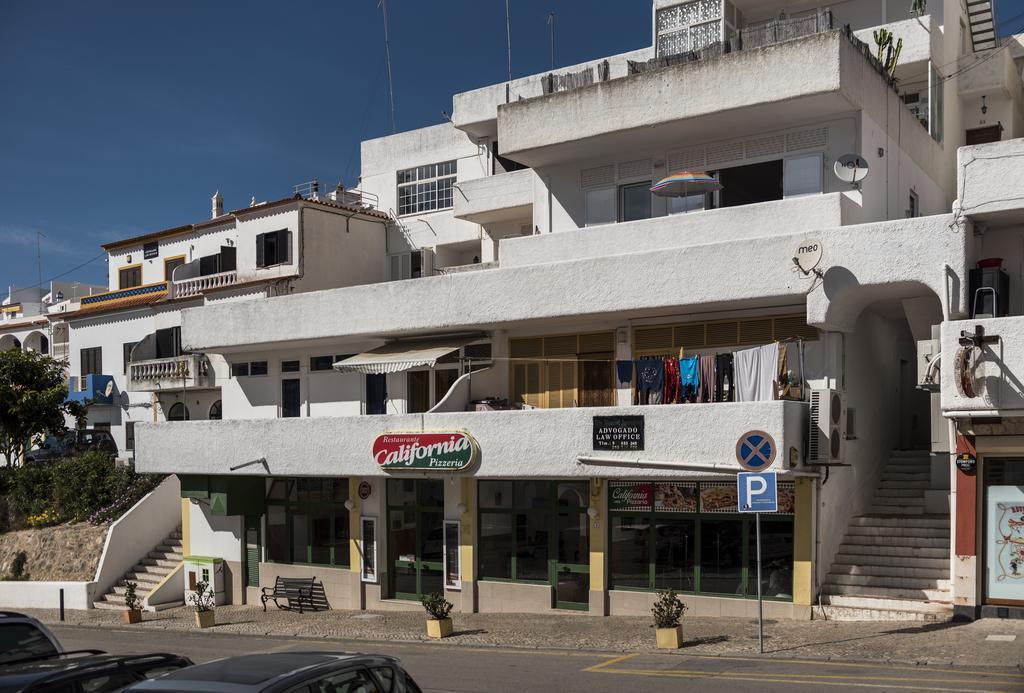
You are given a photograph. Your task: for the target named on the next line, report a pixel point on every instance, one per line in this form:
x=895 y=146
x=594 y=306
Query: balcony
x=862 y=264
x=991 y=177
x=917 y=34
x=195 y=286
x=991 y=74
x=539 y=443
x=188 y=371
x=498 y=198
x=816 y=76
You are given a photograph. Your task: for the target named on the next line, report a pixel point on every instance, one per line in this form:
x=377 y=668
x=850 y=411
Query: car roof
x=258 y=672
x=57 y=668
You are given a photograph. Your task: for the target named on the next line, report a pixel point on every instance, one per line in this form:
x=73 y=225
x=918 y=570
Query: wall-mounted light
x=461 y=508
x=349 y=505
x=592 y=512
x=984 y=106
x=129 y=258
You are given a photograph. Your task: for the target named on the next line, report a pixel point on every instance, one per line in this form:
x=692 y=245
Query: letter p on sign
x=757 y=492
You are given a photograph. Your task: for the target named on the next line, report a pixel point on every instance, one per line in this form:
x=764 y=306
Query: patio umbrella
x=685 y=183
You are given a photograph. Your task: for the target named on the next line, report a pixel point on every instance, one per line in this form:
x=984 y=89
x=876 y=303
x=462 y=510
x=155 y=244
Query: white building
x=535 y=282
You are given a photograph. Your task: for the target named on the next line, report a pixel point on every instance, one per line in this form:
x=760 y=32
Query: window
x=321 y=363
x=635 y=201
x=802 y=176
x=216 y=411
x=688 y=26
x=21 y=641
x=290 y=366
x=690 y=537
x=129 y=435
x=749 y=184
x=913 y=205
x=239 y=369
x=168 y=343
x=171 y=264
x=418 y=396
x=273 y=248
x=178 y=412
x=689 y=203
x=410 y=265
x=128 y=277
x=257 y=368
x=127 y=349
x=91 y=361
x=355 y=681
x=291 y=398
x=307 y=521
x=426 y=188
x=600 y=206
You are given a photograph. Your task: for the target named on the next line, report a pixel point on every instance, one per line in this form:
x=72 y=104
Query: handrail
x=193 y=286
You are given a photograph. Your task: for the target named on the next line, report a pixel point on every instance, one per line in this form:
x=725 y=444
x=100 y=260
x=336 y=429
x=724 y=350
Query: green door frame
x=419 y=565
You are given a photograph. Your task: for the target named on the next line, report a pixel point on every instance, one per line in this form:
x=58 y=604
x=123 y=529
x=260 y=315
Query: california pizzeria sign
x=444 y=451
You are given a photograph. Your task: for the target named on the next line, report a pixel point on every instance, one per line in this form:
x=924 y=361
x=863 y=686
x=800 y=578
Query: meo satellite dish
x=851 y=168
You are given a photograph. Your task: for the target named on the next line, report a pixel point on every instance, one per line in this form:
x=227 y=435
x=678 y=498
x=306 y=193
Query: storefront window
x=1004 y=531
x=307 y=521
x=690 y=537
x=496 y=545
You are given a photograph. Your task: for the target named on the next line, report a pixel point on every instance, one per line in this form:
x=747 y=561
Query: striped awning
x=401 y=356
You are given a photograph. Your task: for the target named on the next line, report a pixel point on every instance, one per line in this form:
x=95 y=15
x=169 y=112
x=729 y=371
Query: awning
x=401 y=356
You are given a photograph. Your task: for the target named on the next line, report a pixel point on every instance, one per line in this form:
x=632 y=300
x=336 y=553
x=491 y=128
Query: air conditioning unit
x=828 y=427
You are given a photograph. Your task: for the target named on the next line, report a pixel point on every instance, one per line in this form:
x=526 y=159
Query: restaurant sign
x=444 y=451
x=618 y=432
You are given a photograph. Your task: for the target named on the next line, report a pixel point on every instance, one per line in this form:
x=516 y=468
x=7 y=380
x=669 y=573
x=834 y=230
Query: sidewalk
x=954 y=644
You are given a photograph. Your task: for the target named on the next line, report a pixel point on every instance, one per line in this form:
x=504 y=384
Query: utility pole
x=551 y=25
x=508 y=41
x=383 y=4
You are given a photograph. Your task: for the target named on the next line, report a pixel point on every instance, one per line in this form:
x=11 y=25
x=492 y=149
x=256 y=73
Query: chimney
x=216 y=205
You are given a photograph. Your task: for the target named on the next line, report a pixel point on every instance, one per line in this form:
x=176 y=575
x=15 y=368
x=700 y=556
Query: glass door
x=415 y=537
x=1004 y=531
x=571 y=566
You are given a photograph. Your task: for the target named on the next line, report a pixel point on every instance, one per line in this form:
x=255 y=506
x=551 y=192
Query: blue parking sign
x=757 y=492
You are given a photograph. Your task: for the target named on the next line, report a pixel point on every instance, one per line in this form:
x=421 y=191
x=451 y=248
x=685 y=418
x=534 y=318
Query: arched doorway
x=9 y=341
x=178 y=412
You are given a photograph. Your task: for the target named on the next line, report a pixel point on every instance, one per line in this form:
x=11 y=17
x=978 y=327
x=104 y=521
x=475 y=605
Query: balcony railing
x=195 y=286
x=187 y=370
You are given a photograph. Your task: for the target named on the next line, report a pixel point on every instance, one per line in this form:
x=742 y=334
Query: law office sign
x=618 y=432
x=442 y=451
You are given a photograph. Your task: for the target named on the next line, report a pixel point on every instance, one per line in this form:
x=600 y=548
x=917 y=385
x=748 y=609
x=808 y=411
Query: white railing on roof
x=194 y=286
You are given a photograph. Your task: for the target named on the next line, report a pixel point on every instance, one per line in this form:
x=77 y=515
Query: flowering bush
x=43 y=519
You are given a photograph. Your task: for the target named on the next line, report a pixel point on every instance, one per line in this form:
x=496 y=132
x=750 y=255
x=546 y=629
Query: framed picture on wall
x=452 y=555
x=368 y=541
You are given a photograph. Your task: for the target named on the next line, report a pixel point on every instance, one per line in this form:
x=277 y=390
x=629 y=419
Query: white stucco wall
x=46 y=595
x=214 y=535
x=991 y=181
x=526 y=443
x=998 y=373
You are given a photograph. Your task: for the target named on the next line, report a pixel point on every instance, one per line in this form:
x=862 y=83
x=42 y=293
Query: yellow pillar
x=598 y=536
x=185 y=504
x=466 y=531
x=803 y=542
x=355 y=529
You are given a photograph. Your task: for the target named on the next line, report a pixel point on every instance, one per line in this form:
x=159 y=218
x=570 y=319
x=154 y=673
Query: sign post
x=757 y=492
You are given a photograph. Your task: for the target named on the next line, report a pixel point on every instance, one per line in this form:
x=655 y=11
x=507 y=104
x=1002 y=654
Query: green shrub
x=668 y=610
x=18 y=567
x=437 y=606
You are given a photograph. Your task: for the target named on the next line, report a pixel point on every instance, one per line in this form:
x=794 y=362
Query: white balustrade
x=188 y=369
x=183 y=288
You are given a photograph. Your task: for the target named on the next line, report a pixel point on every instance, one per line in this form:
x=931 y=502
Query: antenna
x=383 y=4
x=551 y=23
x=851 y=168
x=508 y=40
x=39 y=258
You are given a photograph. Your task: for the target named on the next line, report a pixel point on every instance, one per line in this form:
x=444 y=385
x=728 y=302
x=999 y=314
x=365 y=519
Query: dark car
x=85 y=671
x=289 y=672
x=73 y=443
x=23 y=637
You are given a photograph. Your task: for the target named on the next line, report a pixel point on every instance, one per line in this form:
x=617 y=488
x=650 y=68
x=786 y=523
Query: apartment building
x=125 y=341
x=543 y=401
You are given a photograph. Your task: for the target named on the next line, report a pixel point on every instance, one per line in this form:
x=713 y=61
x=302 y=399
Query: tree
x=33 y=402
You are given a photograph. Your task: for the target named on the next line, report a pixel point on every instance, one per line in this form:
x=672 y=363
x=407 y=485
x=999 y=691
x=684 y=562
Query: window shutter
x=722 y=333
x=284 y=248
x=261 y=260
x=653 y=339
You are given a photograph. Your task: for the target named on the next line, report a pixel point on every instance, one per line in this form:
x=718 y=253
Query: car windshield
x=19 y=641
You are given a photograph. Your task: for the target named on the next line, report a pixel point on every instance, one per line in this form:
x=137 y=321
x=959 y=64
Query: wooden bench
x=295 y=590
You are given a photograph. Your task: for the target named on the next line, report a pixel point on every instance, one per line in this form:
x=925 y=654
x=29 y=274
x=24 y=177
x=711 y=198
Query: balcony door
x=168 y=343
x=596 y=386
x=376 y=393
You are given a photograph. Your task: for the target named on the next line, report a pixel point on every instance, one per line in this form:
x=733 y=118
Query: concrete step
x=159 y=562
x=895 y=521
x=895 y=571
x=930 y=595
x=109 y=606
x=169 y=547
x=888 y=582
x=923 y=532
x=899 y=501
x=875 y=604
x=143 y=582
x=898 y=562
x=892 y=550
x=897 y=540
x=882 y=509
x=166 y=555
x=889 y=492
x=143 y=568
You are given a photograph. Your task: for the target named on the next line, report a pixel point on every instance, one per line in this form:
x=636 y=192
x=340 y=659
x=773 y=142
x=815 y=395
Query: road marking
x=781 y=678
x=610 y=662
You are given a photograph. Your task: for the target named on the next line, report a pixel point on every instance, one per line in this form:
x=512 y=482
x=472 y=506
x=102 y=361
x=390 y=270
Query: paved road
x=445 y=667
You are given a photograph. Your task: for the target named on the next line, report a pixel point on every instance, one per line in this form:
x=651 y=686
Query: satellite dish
x=851 y=168
x=808 y=255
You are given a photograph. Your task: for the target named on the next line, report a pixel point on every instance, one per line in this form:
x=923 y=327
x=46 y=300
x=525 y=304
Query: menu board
x=686 y=497
x=787 y=498
x=675 y=497
x=630 y=495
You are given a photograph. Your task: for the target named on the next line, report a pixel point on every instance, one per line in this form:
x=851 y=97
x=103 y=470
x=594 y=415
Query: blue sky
x=119 y=118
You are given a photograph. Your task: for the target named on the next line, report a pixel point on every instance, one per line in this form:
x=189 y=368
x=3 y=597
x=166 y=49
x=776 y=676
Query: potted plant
x=202 y=600
x=132 y=603
x=668 y=613
x=439 y=625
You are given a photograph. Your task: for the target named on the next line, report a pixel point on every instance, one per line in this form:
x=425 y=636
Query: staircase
x=982 y=25
x=893 y=563
x=147 y=573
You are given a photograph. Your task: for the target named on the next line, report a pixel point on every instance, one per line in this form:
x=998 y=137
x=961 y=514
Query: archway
x=9 y=341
